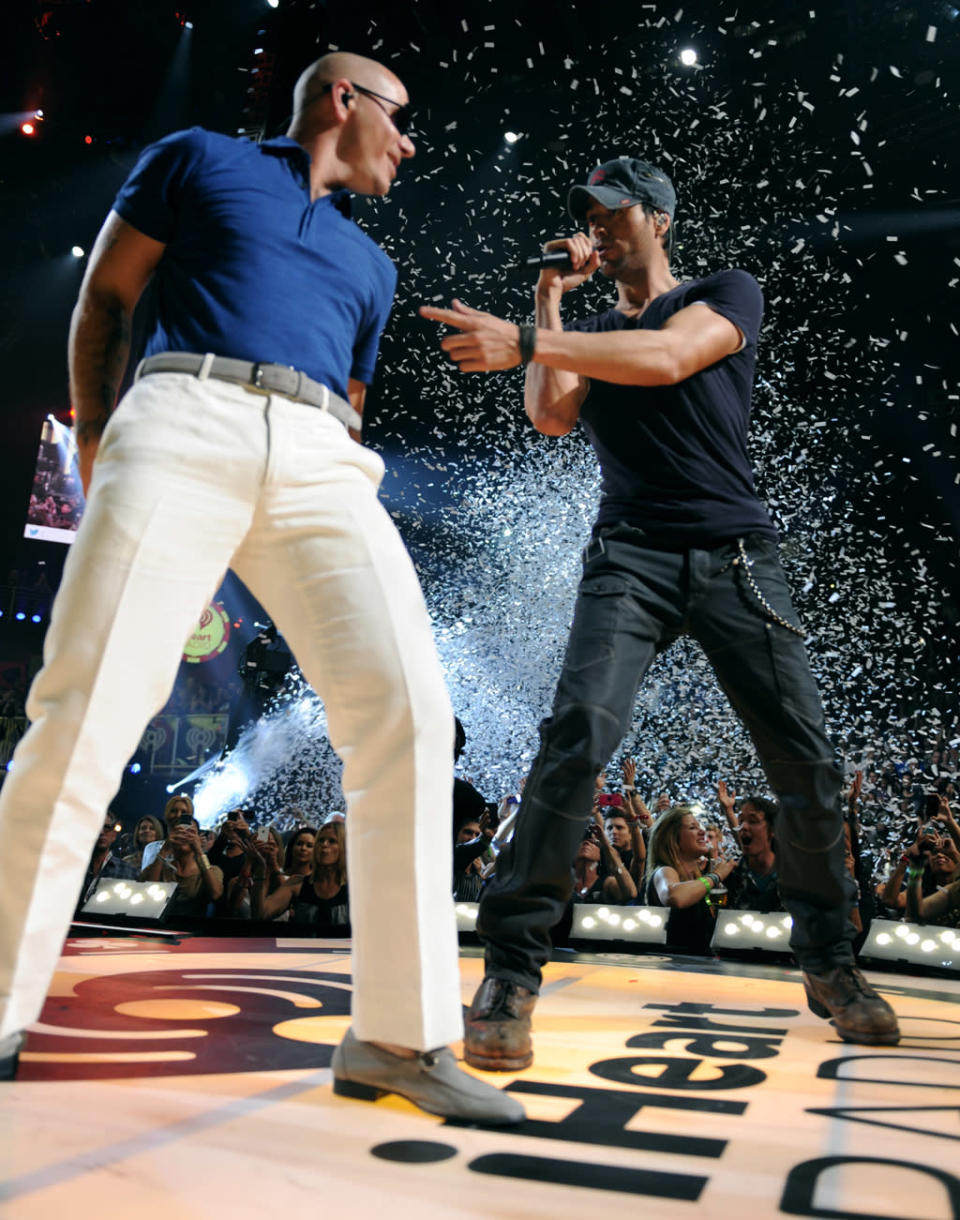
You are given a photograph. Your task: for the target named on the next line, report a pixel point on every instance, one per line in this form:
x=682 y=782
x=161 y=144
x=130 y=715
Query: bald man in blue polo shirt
x=238 y=445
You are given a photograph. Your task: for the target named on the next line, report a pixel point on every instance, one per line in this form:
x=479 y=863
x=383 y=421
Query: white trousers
x=192 y=477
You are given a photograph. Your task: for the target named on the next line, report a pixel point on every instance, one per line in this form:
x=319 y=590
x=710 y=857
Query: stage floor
x=191 y=1079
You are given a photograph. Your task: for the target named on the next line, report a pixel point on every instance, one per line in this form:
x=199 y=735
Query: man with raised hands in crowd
x=752 y=886
x=682 y=545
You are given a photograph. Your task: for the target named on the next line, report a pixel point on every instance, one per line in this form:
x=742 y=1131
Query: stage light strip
x=737 y=930
x=919 y=944
x=144 y=899
x=643 y=925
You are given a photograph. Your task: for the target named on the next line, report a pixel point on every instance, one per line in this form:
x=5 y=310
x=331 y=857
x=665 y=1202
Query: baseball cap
x=622 y=183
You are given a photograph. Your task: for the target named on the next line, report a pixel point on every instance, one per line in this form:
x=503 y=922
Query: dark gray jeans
x=634 y=601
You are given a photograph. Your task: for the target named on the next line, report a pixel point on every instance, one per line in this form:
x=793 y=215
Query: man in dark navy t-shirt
x=231 y=448
x=682 y=545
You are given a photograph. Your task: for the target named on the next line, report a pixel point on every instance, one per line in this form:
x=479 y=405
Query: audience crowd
x=903 y=849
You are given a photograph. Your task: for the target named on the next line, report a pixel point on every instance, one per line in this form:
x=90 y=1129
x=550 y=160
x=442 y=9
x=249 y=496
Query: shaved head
x=339 y=65
x=354 y=133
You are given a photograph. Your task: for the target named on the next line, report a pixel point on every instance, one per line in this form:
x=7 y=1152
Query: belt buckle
x=298 y=392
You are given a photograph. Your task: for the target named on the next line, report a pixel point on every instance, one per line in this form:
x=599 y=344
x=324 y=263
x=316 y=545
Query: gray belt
x=261 y=378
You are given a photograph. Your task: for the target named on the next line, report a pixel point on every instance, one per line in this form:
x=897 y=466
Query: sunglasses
x=401 y=118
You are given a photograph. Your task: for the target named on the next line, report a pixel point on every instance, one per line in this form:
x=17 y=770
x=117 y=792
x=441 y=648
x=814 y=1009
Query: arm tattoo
x=91 y=429
x=100 y=346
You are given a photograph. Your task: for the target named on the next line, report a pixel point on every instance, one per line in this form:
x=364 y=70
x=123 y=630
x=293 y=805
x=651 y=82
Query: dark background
x=814 y=145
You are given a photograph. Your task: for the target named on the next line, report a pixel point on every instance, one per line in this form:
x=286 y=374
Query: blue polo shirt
x=252 y=268
x=674 y=458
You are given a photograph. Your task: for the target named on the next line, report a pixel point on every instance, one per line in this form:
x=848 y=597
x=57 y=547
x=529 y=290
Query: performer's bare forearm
x=98 y=353
x=552 y=396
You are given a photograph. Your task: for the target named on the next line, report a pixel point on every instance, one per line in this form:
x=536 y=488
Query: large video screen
x=56 y=500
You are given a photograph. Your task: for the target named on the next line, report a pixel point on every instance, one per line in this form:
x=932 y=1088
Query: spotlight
x=34 y=618
x=188 y=25
x=273 y=3
x=134 y=768
x=10 y=765
x=20 y=616
x=511 y=137
x=88 y=139
x=28 y=129
x=688 y=56
x=77 y=251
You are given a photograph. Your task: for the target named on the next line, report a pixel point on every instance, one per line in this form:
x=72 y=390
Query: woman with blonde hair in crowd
x=178 y=806
x=673 y=878
x=321 y=898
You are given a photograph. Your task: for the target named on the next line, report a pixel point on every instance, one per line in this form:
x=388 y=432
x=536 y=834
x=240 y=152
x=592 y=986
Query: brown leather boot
x=858 y=1013
x=497 y=1035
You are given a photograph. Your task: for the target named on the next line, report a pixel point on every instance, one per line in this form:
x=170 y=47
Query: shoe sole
x=369 y=1092
x=867 y=1039
x=359 y=1092
x=499 y=1063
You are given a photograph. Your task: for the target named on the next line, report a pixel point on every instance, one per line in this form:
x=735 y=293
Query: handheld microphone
x=558 y=259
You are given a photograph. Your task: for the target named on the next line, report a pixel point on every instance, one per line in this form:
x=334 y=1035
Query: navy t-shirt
x=252 y=268
x=674 y=458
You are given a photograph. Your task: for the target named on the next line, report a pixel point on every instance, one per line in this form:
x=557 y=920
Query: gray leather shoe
x=431 y=1081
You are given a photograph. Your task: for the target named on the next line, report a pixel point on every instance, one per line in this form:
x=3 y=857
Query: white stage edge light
x=138 y=899
x=642 y=925
x=919 y=944
x=737 y=930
